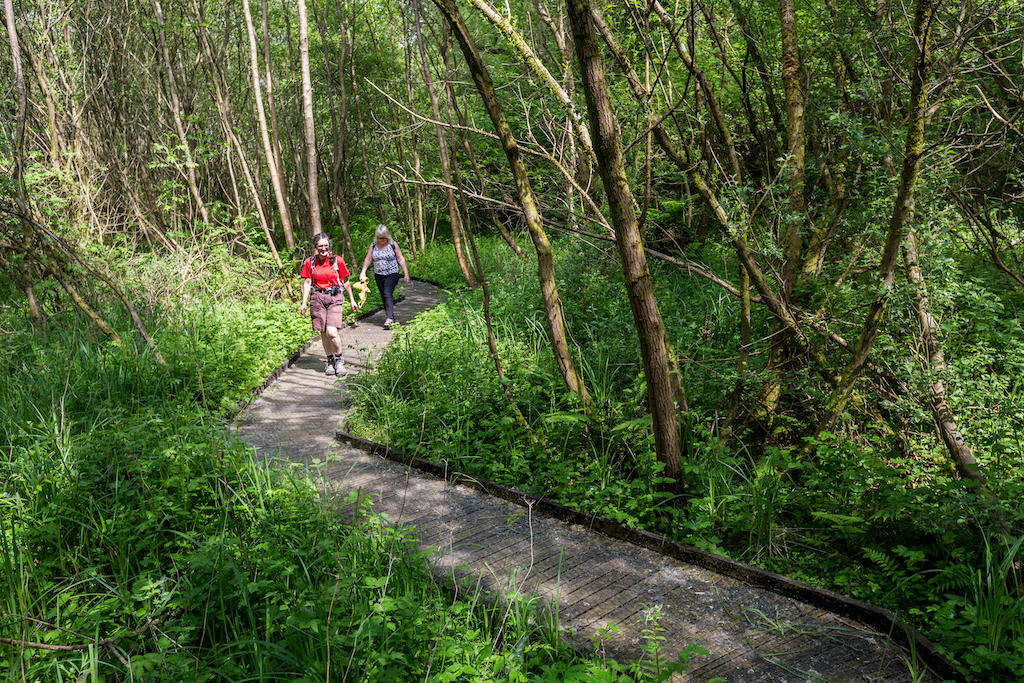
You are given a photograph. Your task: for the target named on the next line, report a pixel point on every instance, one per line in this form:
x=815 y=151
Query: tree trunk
x=527 y=201
x=538 y=69
x=339 y=192
x=224 y=112
x=21 y=98
x=68 y=284
x=307 y=117
x=902 y=209
x=276 y=178
x=54 y=138
x=742 y=364
x=299 y=186
x=792 y=224
x=443 y=153
x=664 y=385
x=642 y=95
x=73 y=253
x=269 y=83
x=417 y=230
x=21 y=274
x=172 y=85
x=942 y=413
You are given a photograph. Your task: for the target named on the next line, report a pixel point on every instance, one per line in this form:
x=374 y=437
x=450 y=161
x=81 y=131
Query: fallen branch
x=94 y=271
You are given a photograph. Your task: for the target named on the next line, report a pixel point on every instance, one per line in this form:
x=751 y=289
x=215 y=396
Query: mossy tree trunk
x=903 y=209
x=531 y=212
x=664 y=384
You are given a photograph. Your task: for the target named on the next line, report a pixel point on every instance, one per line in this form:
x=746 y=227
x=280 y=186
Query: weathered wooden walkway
x=605 y=591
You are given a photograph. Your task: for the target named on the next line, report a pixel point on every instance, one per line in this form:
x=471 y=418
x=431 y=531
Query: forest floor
x=611 y=597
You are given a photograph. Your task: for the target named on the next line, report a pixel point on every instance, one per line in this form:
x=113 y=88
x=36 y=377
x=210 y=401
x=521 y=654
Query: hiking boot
x=339 y=366
x=330 y=367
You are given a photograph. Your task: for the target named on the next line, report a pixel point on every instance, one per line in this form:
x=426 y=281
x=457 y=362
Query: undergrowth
x=870 y=516
x=140 y=541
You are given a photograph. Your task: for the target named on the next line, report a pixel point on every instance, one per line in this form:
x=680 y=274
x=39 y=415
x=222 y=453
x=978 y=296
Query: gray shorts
x=326 y=310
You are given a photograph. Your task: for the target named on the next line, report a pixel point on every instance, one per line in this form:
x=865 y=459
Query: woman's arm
x=401 y=261
x=348 y=288
x=307 y=284
x=366 y=263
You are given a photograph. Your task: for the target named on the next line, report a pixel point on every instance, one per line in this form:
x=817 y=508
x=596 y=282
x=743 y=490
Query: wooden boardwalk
x=606 y=592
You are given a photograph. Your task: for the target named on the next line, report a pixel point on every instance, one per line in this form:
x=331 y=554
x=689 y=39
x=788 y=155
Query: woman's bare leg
x=331 y=341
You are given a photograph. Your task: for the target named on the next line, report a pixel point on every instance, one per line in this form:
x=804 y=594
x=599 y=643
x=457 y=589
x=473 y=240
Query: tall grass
x=985 y=609
x=139 y=541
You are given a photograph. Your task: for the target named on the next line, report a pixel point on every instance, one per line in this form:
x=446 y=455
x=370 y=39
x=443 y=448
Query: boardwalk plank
x=447 y=534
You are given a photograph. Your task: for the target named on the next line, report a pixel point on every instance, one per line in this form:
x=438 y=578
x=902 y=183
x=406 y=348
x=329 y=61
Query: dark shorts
x=326 y=310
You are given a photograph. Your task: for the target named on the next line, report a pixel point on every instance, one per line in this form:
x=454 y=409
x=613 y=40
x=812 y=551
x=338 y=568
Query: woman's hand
x=355 y=306
x=302 y=308
x=407 y=278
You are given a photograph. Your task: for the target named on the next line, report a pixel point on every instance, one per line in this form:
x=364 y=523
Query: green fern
x=890 y=566
x=955 y=579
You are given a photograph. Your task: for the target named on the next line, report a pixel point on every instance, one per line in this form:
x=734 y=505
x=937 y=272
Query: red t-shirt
x=322 y=273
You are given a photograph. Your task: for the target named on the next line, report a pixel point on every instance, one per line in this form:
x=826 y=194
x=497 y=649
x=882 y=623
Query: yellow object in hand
x=363 y=288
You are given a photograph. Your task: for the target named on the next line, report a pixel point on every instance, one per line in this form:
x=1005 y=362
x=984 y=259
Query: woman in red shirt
x=325 y=275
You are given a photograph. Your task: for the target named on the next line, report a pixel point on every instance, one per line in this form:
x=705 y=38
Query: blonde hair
x=382 y=231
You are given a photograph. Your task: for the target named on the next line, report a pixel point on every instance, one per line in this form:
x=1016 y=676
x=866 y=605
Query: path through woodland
x=606 y=591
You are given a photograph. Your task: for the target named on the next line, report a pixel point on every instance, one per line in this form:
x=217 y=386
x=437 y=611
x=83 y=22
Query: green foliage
x=983 y=619
x=436 y=394
x=140 y=536
x=873 y=513
x=438 y=264
x=875 y=503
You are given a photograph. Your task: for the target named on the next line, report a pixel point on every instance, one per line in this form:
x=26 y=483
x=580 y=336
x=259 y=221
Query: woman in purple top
x=387 y=261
